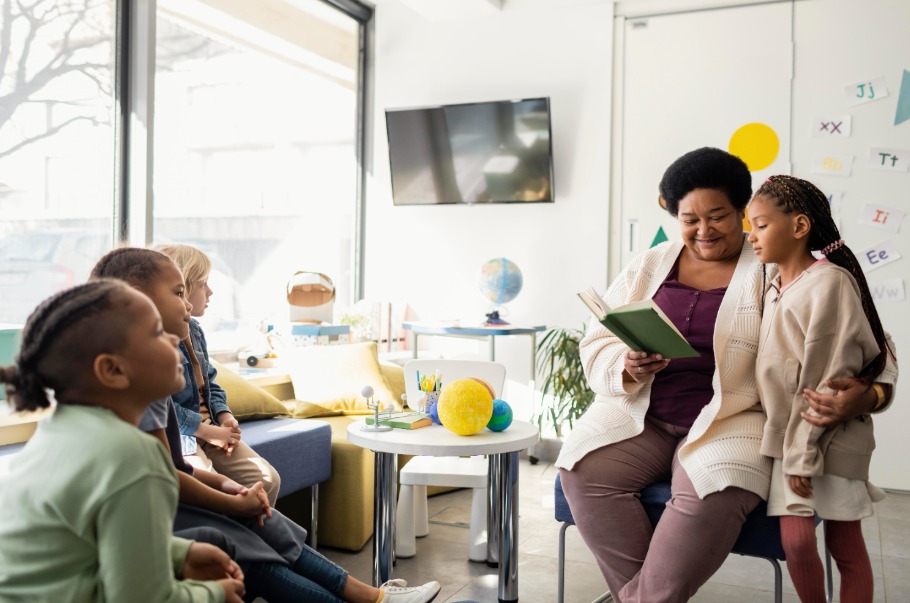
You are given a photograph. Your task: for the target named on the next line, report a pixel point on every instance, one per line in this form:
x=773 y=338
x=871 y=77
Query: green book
x=641 y=325
x=402 y=420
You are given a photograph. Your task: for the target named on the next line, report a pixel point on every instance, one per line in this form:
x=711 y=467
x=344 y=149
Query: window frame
x=134 y=116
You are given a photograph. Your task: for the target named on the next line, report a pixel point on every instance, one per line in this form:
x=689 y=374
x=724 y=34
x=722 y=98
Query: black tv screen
x=491 y=152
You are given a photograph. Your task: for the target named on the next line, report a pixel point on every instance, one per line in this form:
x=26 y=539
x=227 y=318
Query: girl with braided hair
x=819 y=322
x=88 y=505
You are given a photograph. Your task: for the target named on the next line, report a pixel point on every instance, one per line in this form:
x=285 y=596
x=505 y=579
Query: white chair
x=423 y=471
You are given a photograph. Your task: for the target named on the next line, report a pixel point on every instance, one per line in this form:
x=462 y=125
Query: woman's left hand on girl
x=801 y=485
x=847 y=402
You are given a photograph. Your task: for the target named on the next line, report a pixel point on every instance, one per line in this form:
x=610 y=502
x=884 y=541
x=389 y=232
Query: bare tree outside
x=46 y=46
x=56 y=146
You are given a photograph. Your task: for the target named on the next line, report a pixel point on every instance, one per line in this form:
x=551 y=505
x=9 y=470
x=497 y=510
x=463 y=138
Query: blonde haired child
x=89 y=503
x=211 y=436
x=819 y=322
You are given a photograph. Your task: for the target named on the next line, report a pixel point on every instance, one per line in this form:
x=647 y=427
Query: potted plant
x=564 y=391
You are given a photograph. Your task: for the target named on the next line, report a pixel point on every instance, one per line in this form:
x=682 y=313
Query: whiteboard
x=691 y=79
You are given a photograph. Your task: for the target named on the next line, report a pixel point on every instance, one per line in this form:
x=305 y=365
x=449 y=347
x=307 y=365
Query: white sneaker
x=398 y=591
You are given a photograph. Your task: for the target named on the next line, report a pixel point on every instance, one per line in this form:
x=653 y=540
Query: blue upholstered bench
x=759 y=537
x=299 y=449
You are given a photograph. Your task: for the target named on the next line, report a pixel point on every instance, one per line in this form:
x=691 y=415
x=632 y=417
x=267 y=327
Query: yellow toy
x=465 y=406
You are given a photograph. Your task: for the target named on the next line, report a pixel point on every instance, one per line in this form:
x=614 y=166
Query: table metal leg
x=508 y=545
x=383 y=517
x=414 y=352
x=314 y=516
x=533 y=360
x=493 y=531
x=492 y=348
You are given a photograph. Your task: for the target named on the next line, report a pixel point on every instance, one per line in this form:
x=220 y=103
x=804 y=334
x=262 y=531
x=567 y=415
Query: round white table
x=502 y=502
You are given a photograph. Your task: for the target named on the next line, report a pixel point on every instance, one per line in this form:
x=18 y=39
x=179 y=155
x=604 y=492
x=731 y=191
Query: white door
x=855 y=42
x=691 y=80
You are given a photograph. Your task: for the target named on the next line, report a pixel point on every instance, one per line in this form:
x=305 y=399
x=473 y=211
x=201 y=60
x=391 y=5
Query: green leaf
x=564 y=391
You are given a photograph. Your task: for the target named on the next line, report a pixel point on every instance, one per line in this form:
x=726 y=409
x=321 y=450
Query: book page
x=666 y=318
x=594 y=302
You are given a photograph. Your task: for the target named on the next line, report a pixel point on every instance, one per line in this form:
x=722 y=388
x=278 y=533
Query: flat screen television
x=490 y=152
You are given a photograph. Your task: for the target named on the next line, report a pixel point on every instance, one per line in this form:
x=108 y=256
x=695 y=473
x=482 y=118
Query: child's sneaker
x=398 y=591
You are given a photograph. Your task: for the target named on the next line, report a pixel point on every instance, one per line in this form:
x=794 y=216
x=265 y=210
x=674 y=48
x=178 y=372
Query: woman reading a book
x=696 y=421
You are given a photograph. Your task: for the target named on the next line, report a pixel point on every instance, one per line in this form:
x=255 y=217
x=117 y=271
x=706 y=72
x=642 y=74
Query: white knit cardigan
x=723 y=444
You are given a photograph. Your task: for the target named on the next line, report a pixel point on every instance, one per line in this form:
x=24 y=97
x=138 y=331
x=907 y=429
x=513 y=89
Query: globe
x=499 y=280
x=502 y=416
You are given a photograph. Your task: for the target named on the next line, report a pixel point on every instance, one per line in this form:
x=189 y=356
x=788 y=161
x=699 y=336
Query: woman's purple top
x=681 y=390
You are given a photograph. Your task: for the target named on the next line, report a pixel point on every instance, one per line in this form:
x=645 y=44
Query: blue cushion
x=299 y=449
x=759 y=537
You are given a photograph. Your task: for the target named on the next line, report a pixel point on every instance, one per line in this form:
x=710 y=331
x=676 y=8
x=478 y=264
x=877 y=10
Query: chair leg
x=405 y=542
x=778 y=580
x=477 y=539
x=561 y=564
x=421 y=516
x=607 y=597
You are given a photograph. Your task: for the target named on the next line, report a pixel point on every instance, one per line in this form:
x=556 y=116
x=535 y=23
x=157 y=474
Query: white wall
x=559 y=50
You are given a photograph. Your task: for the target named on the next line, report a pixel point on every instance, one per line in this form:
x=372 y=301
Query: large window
x=56 y=146
x=255 y=155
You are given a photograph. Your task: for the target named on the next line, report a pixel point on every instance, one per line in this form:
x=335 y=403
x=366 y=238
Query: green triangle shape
x=902 y=113
x=660 y=237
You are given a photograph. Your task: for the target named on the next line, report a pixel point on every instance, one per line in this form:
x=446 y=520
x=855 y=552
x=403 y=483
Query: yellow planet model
x=465 y=406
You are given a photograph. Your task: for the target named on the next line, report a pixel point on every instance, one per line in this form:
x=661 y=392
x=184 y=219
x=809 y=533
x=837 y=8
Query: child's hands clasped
x=208 y=562
x=227 y=421
x=252 y=502
x=222 y=436
x=801 y=485
x=233 y=590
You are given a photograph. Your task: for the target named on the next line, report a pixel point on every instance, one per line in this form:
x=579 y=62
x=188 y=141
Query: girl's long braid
x=27 y=381
x=797 y=195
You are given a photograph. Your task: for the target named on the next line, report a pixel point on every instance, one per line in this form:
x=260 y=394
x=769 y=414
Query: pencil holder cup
x=430 y=406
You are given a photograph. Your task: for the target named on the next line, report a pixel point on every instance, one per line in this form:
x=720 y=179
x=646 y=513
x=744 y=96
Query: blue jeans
x=312 y=578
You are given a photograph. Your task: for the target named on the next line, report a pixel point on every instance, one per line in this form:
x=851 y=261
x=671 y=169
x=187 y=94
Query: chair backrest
x=493 y=373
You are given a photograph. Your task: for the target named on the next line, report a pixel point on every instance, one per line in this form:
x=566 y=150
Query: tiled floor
x=442 y=555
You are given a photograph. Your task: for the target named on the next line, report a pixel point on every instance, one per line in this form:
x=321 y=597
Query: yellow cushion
x=247 y=401
x=332 y=376
x=306 y=410
x=394 y=376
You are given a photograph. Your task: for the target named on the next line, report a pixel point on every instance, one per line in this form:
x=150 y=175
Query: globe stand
x=494 y=320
